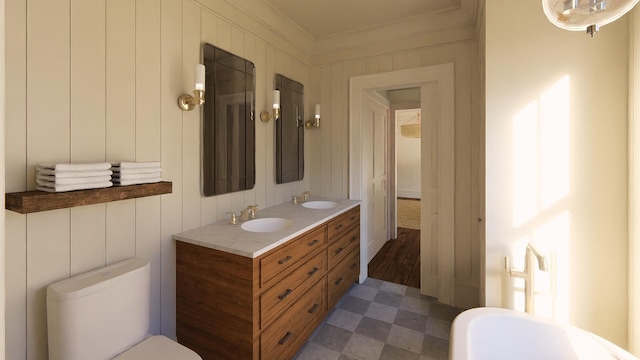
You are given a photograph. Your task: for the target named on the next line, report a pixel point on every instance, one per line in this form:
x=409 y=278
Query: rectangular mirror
x=290 y=131
x=228 y=123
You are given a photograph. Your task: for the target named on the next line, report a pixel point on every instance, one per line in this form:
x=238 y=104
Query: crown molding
x=264 y=22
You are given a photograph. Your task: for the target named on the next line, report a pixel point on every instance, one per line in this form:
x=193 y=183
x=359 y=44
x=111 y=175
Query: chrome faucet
x=304 y=197
x=248 y=213
x=528 y=273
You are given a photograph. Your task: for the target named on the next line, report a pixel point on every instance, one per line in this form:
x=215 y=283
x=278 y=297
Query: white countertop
x=233 y=239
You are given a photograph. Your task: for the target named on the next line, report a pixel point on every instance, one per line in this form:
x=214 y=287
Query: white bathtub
x=494 y=334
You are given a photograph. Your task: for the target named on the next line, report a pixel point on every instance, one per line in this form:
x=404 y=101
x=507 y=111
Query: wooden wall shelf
x=34 y=201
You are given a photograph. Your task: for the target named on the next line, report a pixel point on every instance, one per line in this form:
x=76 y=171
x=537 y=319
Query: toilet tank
x=98 y=314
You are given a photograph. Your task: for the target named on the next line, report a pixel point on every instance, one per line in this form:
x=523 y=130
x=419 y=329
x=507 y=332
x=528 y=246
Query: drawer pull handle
x=353 y=217
x=314 y=308
x=339 y=226
x=339 y=250
x=285 y=338
x=338 y=281
x=353 y=238
x=353 y=265
x=284 y=260
x=315 y=241
x=315 y=269
x=286 y=293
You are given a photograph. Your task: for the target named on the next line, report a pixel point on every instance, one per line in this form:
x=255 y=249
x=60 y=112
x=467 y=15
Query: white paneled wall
x=332 y=143
x=98 y=80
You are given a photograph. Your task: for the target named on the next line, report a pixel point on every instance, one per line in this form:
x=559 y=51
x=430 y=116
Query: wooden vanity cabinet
x=343 y=254
x=234 y=307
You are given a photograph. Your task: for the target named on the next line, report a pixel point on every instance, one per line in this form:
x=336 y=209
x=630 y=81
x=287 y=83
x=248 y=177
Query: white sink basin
x=320 y=205
x=266 y=225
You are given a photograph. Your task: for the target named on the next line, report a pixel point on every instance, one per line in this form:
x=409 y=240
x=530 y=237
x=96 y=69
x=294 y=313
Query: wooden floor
x=399 y=259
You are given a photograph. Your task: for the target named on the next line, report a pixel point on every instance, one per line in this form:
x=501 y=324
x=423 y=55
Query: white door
x=437 y=235
x=374 y=169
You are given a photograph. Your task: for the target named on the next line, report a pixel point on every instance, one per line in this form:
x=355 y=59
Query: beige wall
x=634 y=178
x=98 y=80
x=557 y=171
x=329 y=144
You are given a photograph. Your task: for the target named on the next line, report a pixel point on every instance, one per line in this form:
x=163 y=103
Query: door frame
x=437 y=104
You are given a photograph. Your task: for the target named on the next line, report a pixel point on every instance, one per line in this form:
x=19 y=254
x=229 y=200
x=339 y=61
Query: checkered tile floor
x=379 y=320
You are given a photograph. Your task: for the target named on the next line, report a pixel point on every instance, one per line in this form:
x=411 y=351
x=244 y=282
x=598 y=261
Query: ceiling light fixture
x=411 y=130
x=589 y=15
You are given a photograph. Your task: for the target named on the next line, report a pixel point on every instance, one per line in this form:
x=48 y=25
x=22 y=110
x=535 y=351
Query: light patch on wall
x=540 y=184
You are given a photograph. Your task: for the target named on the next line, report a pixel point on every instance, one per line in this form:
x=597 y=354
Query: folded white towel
x=63 y=188
x=73 y=174
x=74 y=167
x=117 y=170
x=123 y=176
x=137 y=165
x=44 y=180
x=117 y=182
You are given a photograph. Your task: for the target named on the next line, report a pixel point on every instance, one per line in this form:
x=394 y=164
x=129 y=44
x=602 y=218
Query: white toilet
x=104 y=314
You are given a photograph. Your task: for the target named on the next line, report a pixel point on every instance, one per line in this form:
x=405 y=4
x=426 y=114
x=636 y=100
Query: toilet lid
x=158 y=348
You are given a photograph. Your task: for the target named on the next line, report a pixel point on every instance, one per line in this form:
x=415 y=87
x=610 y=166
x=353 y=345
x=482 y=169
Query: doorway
x=436 y=239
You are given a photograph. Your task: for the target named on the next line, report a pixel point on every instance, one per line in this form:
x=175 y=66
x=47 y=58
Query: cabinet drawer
x=286 y=256
x=289 y=289
x=343 y=222
x=342 y=245
x=342 y=276
x=283 y=338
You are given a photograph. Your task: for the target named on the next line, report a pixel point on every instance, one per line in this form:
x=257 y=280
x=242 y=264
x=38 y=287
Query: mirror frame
x=290 y=131
x=228 y=126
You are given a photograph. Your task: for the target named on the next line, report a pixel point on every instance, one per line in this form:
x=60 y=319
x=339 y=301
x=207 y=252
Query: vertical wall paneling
x=88 y=80
x=195 y=23
x=261 y=129
x=386 y=63
x=325 y=130
x=171 y=133
x=414 y=59
x=120 y=119
x=237 y=41
x=400 y=61
x=373 y=65
x=98 y=80
x=15 y=143
x=208 y=22
x=339 y=154
x=48 y=66
x=269 y=133
x=224 y=34
x=88 y=224
x=47 y=262
x=312 y=136
x=348 y=71
x=121 y=230
x=147 y=78
x=120 y=80
x=279 y=68
x=148 y=81
x=88 y=95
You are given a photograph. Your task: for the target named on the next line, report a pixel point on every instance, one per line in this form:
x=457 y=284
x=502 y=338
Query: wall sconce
x=188 y=102
x=265 y=116
x=316 y=119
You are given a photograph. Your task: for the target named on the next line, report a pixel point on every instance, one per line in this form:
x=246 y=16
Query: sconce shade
x=199 y=75
x=276 y=99
x=579 y=15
